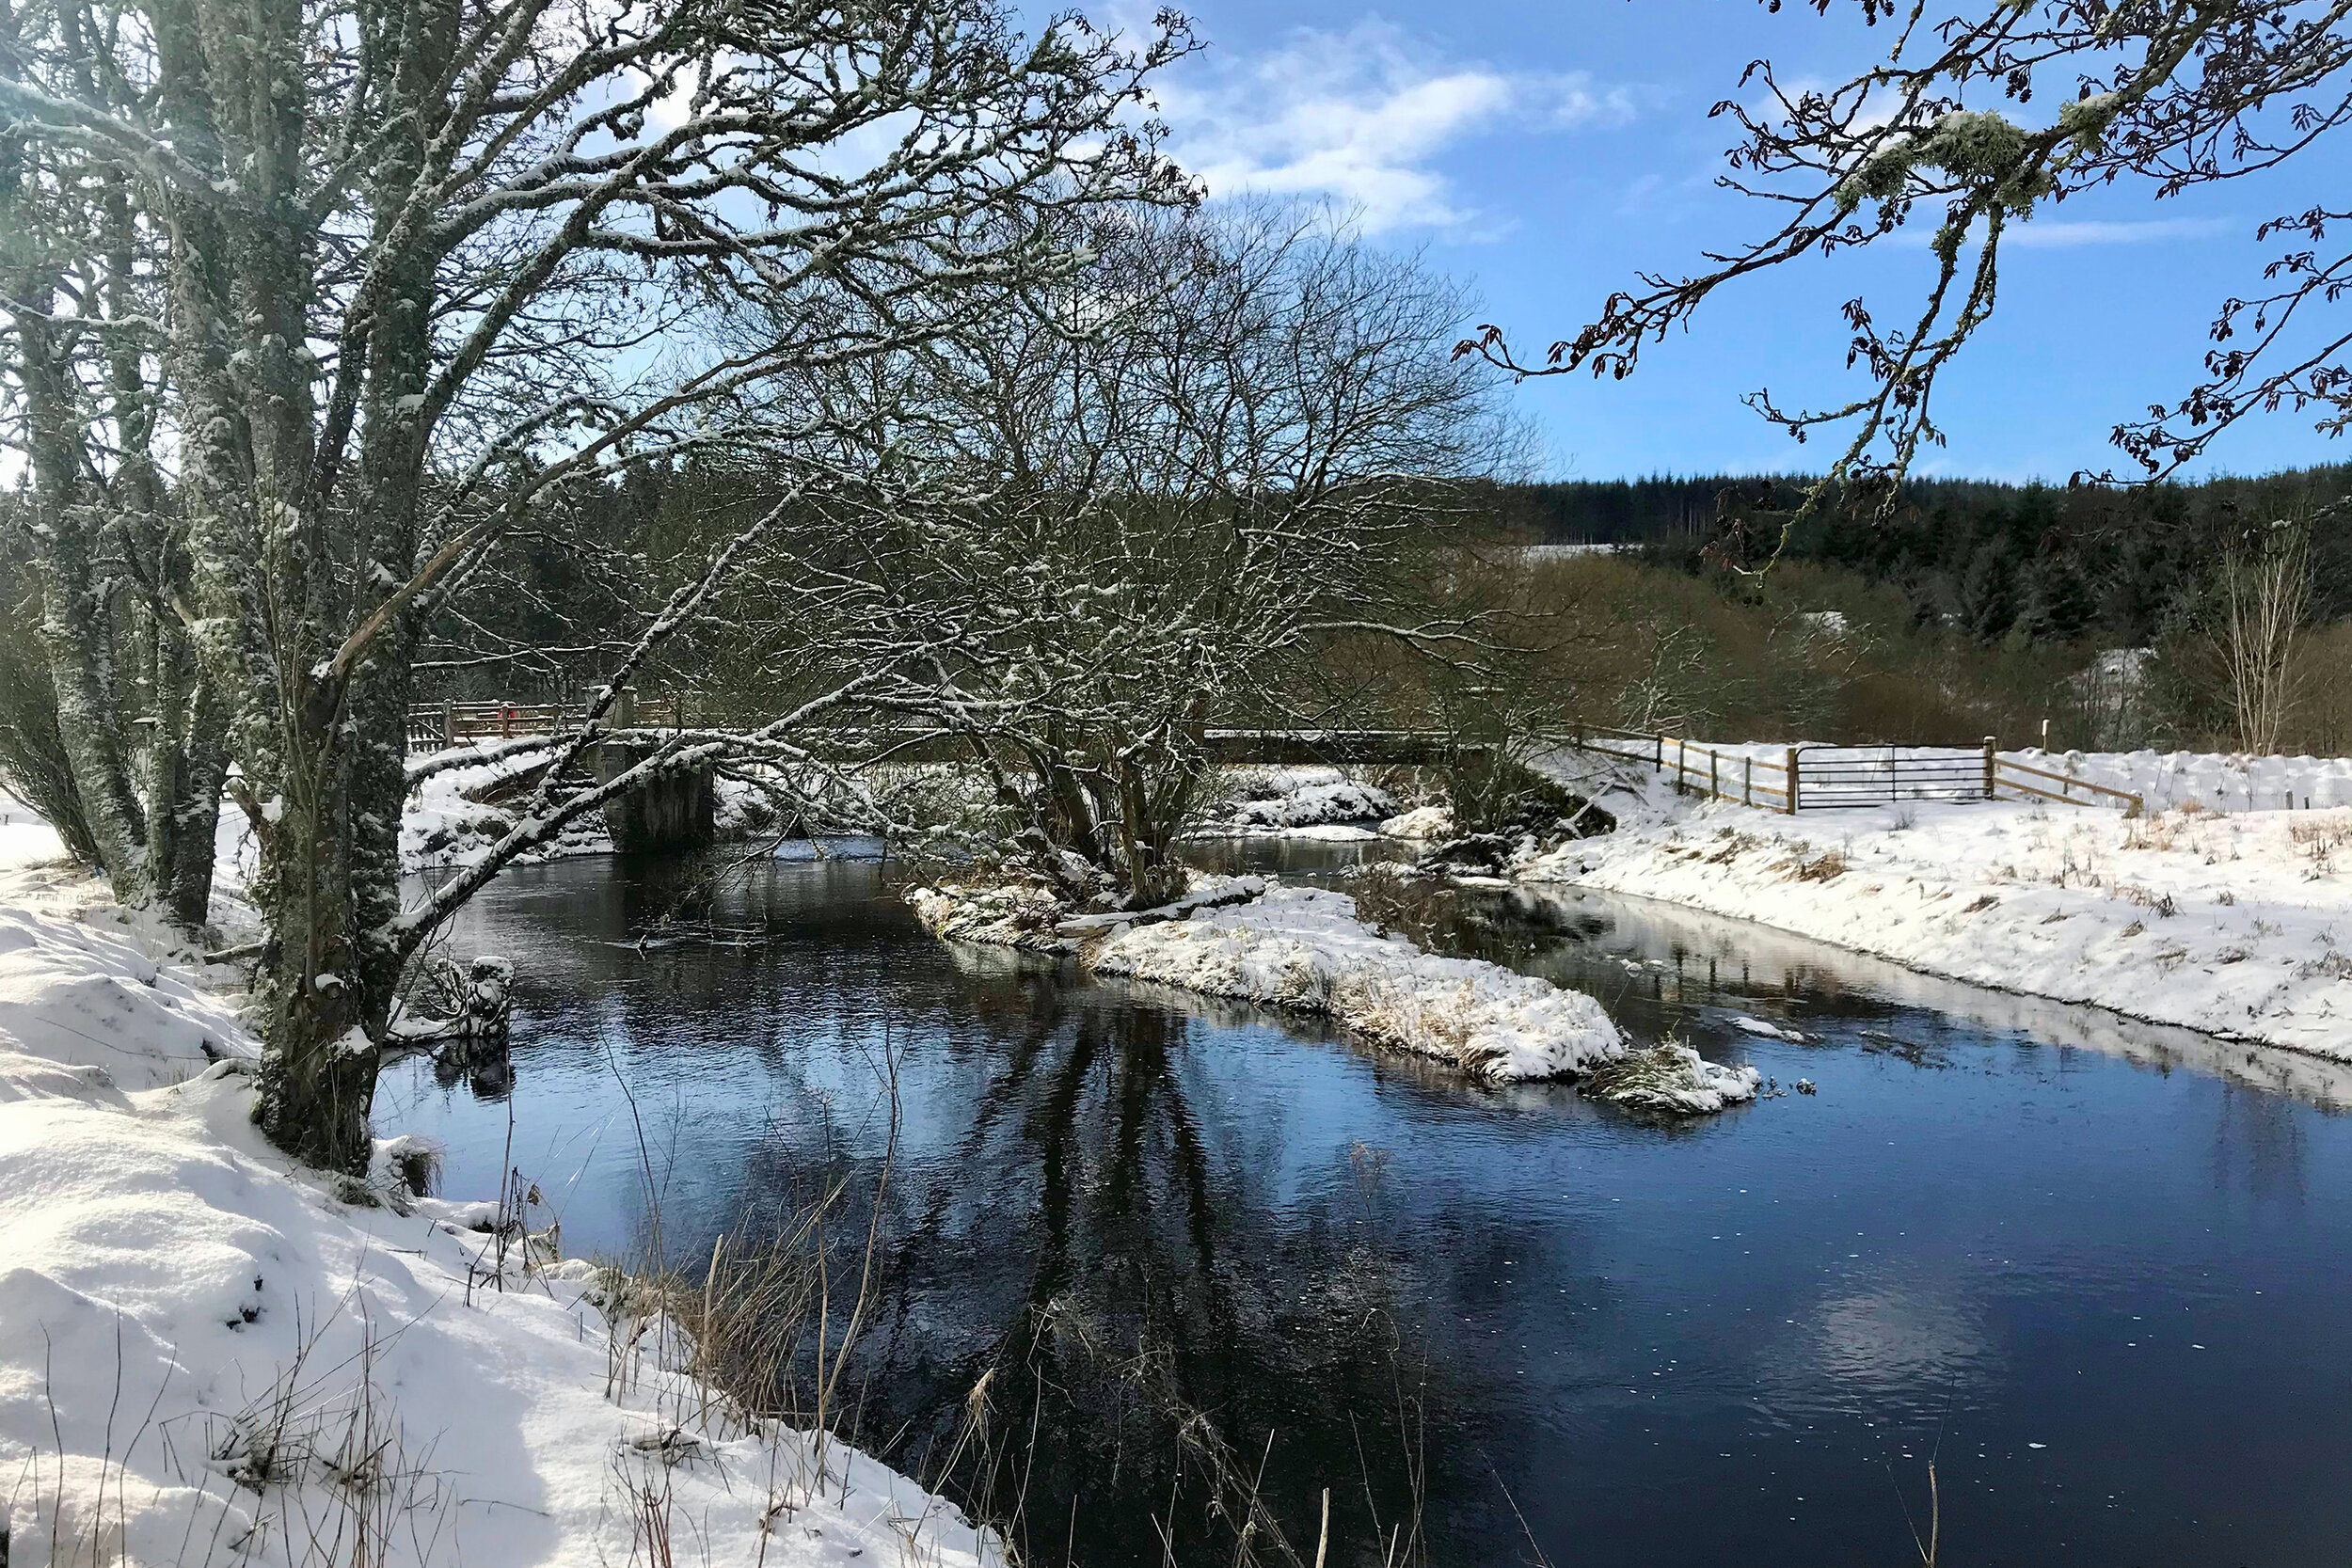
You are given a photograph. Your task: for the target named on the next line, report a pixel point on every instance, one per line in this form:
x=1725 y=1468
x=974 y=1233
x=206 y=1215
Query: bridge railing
x=1791 y=779
x=437 y=726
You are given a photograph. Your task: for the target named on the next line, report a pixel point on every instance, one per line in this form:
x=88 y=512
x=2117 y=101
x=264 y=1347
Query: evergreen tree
x=2058 y=606
x=1988 y=591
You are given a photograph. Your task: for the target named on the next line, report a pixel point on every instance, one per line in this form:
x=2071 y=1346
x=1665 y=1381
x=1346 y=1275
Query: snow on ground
x=1303 y=949
x=211 y=1355
x=443 y=824
x=1292 y=799
x=1803 y=968
x=2218 y=781
x=76 y=996
x=1421 y=823
x=2226 y=924
x=25 y=838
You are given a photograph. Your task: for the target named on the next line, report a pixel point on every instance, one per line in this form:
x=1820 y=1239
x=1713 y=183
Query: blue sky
x=1544 y=152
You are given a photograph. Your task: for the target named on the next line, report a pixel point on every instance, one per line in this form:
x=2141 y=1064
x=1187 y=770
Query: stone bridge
x=678 y=810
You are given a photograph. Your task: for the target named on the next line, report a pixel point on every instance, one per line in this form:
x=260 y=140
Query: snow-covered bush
x=1281 y=800
x=1670 y=1077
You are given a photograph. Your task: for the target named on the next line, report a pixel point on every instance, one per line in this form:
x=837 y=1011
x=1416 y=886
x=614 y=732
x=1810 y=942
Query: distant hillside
x=2034 y=563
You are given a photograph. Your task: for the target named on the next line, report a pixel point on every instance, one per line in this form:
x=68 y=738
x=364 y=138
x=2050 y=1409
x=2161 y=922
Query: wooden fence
x=437 y=726
x=1826 y=778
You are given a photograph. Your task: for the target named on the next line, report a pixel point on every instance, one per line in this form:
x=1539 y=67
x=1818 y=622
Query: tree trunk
x=186 y=771
x=266 y=560
x=318 y=1072
x=76 y=620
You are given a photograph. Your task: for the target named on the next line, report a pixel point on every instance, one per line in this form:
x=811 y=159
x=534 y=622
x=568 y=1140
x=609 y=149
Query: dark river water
x=2101 y=1273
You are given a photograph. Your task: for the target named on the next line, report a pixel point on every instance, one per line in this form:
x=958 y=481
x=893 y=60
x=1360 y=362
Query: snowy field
x=25 y=838
x=2236 y=924
x=2215 y=781
x=211 y=1355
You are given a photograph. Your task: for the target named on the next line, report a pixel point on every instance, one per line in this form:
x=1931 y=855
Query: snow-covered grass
x=1013 y=915
x=1303 y=949
x=1294 y=800
x=2218 y=781
x=211 y=1355
x=1672 y=1078
x=1307 y=950
x=1421 y=823
x=2238 y=924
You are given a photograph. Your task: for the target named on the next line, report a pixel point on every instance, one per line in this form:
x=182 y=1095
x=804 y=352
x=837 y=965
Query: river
x=2098 y=1273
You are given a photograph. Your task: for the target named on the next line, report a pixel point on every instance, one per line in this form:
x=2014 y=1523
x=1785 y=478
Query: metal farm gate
x=1833 y=776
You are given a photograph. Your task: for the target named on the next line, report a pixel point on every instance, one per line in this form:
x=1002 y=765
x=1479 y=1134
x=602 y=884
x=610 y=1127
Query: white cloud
x=1363 y=116
x=2068 y=234
x=2047 y=235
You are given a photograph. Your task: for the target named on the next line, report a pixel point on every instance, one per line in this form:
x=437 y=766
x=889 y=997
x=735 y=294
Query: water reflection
x=2001 y=1223
x=1172 y=1303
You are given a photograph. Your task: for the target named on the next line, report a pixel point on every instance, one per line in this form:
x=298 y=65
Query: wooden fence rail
x=436 y=726
x=1787 y=778
x=1826 y=778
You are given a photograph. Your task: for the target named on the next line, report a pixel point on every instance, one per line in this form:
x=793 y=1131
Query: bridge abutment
x=674 y=811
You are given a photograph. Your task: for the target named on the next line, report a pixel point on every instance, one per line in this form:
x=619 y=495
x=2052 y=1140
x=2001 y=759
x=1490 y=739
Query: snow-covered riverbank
x=210 y=1354
x=2236 y=925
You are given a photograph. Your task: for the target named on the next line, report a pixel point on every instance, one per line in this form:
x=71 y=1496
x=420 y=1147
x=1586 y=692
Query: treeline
x=2029 y=563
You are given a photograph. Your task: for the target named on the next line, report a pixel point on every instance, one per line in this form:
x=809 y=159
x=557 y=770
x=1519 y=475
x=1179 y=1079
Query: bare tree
x=2262 y=603
x=424 y=264
x=1081 y=537
x=2164 y=94
x=142 y=732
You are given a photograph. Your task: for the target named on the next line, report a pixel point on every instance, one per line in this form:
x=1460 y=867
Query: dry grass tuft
x=1827 y=867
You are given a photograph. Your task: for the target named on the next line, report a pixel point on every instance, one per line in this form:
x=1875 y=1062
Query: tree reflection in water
x=1115 y=1207
x=1172 y=1347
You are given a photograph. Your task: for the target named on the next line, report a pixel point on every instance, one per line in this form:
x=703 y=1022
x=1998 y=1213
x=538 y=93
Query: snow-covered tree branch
x=1077 y=539
x=2166 y=95
x=392 y=245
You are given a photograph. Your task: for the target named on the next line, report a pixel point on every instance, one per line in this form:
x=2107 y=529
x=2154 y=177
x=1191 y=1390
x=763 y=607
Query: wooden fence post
x=1658 y=759
x=449 y=722
x=1714 y=789
x=1682 y=765
x=1792 y=780
x=1747 y=781
x=1992 y=762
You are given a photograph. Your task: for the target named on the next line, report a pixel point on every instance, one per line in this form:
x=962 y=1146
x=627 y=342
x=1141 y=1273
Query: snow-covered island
x=1305 y=950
